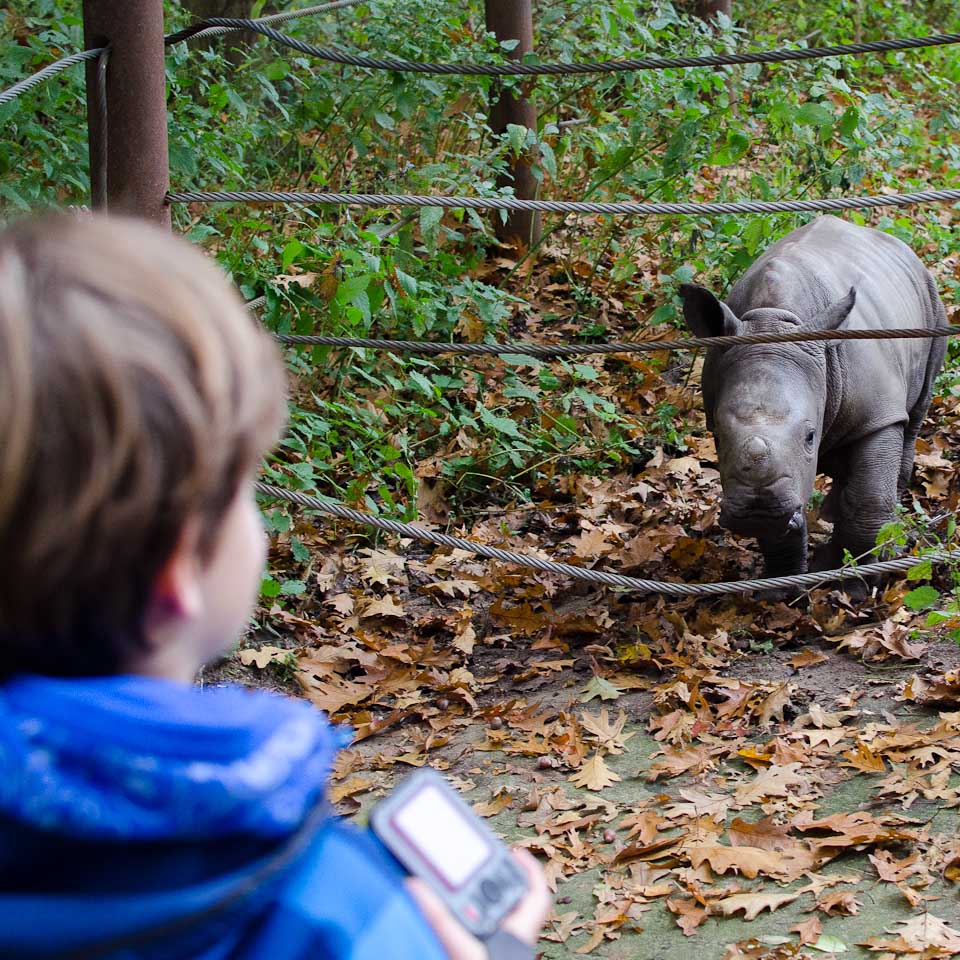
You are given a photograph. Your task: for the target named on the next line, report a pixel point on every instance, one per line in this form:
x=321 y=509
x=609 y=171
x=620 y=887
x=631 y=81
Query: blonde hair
x=136 y=393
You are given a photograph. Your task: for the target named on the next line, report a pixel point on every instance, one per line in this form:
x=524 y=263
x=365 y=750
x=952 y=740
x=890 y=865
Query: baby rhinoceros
x=852 y=409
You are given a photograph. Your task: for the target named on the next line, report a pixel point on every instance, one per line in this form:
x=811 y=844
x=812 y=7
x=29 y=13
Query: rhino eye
x=810 y=436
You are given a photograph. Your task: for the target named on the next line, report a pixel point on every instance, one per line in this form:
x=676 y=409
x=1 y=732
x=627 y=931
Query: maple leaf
x=594 y=774
x=772 y=782
x=453 y=588
x=342 y=603
x=645 y=825
x=384 y=607
x=609 y=735
x=864 y=760
x=263 y=656
x=382 y=567
x=598 y=687
x=751 y=904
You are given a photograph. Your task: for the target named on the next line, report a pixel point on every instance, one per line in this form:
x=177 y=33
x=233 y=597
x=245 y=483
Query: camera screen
x=442 y=835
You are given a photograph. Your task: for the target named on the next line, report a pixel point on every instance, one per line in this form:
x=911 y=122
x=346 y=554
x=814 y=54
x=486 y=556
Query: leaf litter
x=708 y=761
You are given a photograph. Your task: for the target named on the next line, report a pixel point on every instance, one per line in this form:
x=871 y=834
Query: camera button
x=490 y=890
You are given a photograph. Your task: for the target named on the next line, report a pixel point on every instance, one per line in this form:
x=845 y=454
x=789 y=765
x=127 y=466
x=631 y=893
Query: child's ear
x=176 y=593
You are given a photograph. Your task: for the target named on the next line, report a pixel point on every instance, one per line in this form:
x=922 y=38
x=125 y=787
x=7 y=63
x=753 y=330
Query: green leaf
x=430 y=218
x=598 y=687
x=849 y=122
x=517 y=137
x=291 y=251
x=293 y=588
x=500 y=424
x=269 y=588
x=922 y=598
x=921 y=571
x=300 y=551
x=829 y=944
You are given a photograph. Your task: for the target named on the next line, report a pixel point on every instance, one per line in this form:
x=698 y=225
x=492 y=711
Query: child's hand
x=525 y=922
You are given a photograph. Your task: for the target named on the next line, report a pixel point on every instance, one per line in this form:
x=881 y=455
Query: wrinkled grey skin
x=781 y=413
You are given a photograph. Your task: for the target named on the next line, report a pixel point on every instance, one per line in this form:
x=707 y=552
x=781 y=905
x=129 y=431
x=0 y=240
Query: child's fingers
x=527 y=919
x=456 y=940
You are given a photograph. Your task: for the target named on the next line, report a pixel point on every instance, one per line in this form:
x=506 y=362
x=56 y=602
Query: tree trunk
x=708 y=9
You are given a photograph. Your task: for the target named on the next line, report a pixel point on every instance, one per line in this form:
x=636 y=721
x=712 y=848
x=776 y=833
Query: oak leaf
x=807 y=658
x=809 y=930
x=925 y=934
x=751 y=904
x=839 y=903
x=747 y=861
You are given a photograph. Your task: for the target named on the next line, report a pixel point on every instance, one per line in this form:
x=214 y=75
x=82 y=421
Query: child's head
x=136 y=397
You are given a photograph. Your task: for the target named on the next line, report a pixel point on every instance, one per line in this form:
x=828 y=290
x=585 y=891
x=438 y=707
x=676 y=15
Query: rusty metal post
x=136 y=165
x=513 y=20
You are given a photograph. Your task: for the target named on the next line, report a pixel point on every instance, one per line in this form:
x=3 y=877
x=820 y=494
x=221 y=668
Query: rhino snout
x=760 y=515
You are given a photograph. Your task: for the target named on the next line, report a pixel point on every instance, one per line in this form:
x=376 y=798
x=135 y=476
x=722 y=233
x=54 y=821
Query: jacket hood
x=139 y=758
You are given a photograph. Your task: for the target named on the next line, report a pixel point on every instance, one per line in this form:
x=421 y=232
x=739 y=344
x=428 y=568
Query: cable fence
x=798 y=583
x=556 y=351
x=780 y=55
x=216 y=27
x=624 y=208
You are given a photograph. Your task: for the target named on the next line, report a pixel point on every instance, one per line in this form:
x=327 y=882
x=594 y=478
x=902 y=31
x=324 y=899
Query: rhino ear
x=706 y=316
x=834 y=316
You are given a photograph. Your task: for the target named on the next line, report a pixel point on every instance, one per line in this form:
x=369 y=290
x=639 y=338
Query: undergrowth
x=375 y=430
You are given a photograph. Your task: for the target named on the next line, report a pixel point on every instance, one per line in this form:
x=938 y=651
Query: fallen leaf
x=594 y=774
x=598 y=687
x=807 y=658
x=751 y=903
x=263 y=656
x=809 y=930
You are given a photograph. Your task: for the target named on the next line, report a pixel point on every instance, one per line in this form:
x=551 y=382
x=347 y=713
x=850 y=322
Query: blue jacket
x=146 y=820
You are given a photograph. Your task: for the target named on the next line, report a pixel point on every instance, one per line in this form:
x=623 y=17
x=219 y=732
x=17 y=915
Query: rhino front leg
x=869 y=496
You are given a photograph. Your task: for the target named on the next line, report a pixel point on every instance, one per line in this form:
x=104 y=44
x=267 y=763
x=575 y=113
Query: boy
x=140 y=816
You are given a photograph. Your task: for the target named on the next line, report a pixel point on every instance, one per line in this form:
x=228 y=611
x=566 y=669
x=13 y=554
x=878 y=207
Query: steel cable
x=780 y=55
x=545 y=351
x=28 y=83
x=799 y=582
x=272 y=18
x=626 y=208
x=59 y=66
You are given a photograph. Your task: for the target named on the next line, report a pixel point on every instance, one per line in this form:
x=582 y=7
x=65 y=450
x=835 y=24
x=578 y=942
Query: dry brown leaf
x=864 y=760
x=594 y=774
x=747 y=861
x=839 y=903
x=809 y=930
x=609 y=735
x=689 y=913
x=807 y=658
x=384 y=607
x=263 y=656
x=498 y=804
x=751 y=904
x=764 y=834
x=925 y=934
